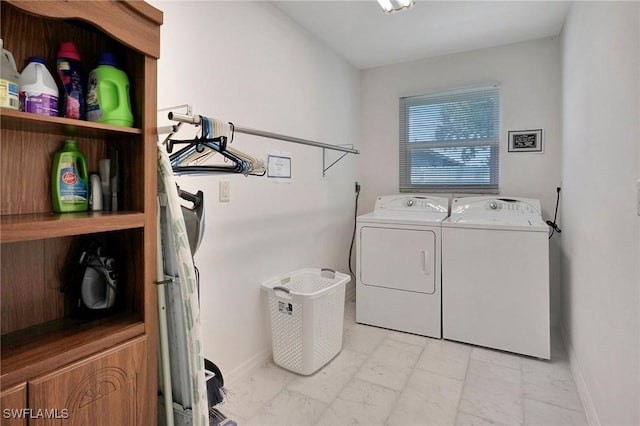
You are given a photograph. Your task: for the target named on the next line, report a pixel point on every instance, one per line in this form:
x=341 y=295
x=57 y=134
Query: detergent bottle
x=70 y=73
x=38 y=89
x=108 y=94
x=69 y=180
x=9 y=81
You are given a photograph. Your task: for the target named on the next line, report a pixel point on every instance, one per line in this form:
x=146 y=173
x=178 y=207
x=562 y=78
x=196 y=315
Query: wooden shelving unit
x=44 y=345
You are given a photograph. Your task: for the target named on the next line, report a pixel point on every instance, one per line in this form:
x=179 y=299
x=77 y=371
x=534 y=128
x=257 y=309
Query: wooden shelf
x=41 y=348
x=16 y=120
x=40 y=226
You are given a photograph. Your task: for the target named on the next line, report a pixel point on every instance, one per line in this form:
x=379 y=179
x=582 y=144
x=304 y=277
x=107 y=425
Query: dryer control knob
x=409 y=203
x=493 y=205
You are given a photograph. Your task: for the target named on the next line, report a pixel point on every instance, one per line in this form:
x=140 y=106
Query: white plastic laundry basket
x=307 y=310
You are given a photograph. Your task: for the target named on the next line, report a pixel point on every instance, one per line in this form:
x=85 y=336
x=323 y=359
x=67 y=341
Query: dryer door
x=402 y=259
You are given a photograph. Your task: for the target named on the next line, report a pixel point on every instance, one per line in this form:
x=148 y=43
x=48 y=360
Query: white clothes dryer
x=398 y=276
x=495 y=275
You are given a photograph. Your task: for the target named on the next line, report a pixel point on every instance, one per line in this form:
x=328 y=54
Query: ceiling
x=365 y=36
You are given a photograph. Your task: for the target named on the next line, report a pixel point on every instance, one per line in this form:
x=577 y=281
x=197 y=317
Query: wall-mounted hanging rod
x=196 y=120
x=167 y=129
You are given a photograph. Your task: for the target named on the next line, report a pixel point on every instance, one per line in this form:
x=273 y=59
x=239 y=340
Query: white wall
x=600 y=239
x=529 y=75
x=247 y=63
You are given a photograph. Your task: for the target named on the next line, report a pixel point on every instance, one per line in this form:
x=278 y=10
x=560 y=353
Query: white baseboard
x=581 y=384
x=248 y=367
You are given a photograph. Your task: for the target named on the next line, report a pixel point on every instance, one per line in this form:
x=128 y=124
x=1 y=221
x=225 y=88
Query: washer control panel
x=483 y=206
x=508 y=205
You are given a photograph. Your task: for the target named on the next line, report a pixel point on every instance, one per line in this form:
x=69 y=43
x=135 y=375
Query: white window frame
x=490 y=185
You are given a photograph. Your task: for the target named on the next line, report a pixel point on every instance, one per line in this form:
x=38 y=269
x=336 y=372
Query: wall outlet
x=224 y=192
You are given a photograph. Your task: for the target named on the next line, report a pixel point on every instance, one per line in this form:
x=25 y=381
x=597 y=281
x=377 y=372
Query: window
x=449 y=141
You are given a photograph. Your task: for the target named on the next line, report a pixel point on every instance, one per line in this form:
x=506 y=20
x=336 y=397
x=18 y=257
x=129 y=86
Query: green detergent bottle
x=69 y=180
x=108 y=94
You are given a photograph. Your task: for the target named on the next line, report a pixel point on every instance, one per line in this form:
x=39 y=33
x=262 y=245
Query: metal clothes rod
x=196 y=120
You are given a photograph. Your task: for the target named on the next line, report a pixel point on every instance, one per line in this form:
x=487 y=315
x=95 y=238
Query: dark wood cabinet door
x=109 y=388
x=14 y=401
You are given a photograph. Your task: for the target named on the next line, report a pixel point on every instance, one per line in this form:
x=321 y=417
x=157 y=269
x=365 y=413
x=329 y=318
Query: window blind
x=449 y=141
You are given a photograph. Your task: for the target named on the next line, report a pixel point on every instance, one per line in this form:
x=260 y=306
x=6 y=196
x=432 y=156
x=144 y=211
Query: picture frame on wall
x=525 y=140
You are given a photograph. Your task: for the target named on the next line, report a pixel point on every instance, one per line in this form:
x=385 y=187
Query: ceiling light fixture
x=392 y=6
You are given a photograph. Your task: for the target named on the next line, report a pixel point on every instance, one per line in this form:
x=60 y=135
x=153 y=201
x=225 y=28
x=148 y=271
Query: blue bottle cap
x=107 y=58
x=37 y=59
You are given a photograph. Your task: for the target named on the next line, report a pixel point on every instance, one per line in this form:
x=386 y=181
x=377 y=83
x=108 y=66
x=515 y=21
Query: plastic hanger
x=188 y=160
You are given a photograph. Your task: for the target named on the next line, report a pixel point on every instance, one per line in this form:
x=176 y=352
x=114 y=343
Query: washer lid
x=519 y=224
x=514 y=213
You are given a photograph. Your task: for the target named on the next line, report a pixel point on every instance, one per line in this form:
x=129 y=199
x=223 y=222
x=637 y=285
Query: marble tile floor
x=385 y=377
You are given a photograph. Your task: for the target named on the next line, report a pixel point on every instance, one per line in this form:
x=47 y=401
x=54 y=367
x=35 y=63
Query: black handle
x=332 y=271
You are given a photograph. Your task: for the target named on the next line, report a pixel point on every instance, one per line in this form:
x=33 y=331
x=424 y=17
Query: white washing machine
x=398 y=264
x=495 y=275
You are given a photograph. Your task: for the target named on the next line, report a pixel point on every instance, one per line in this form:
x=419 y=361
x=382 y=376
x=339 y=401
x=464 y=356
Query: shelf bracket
x=324 y=159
